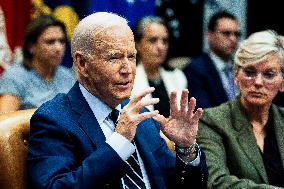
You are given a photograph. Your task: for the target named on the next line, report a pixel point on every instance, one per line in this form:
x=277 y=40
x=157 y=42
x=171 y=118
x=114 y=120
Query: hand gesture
x=182 y=125
x=130 y=115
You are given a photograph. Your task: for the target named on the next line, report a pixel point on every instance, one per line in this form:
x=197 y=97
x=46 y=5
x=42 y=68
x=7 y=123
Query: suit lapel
x=279 y=130
x=247 y=140
x=146 y=151
x=87 y=120
x=214 y=80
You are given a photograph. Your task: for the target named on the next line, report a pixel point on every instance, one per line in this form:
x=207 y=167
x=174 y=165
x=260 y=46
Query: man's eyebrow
x=113 y=52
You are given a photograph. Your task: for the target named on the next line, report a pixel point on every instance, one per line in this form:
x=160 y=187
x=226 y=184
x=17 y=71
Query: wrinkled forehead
x=114 y=37
x=226 y=23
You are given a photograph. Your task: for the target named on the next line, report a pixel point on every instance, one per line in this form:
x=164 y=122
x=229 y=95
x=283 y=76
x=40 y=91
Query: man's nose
x=233 y=37
x=126 y=66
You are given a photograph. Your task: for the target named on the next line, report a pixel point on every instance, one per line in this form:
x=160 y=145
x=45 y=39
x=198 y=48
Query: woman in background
x=40 y=77
x=152 y=43
x=244 y=139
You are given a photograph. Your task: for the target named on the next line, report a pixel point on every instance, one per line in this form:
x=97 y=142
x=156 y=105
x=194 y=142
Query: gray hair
x=85 y=33
x=140 y=25
x=260 y=46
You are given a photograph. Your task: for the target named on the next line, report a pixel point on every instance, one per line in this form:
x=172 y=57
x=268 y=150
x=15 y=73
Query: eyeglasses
x=268 y=76
x=226 y=33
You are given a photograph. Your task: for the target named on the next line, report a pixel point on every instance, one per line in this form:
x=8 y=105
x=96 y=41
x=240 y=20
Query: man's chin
x=123 y=96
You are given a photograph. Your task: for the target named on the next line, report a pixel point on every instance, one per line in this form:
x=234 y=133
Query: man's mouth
x=124 y=84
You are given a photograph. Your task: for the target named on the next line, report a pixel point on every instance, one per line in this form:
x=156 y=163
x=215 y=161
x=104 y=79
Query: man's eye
x=114 y=58
x=132 y=56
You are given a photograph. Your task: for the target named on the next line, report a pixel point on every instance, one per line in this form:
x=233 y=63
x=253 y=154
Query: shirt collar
x=219 y=63
x=98 y=107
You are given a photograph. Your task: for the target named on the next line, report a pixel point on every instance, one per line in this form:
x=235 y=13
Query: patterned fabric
x=114 y=115
x=133 y=177
x=231 y=91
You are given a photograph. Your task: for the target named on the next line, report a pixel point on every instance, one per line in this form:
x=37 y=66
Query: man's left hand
x=182 y=125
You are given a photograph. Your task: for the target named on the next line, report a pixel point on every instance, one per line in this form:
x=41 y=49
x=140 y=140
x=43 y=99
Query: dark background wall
x=265 y=15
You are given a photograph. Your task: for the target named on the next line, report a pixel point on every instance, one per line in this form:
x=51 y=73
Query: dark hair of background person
x=138 y=32
x=219 y=15
x=33 y=32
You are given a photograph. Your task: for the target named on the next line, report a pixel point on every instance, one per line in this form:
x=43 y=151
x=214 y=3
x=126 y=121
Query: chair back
x=14 y=133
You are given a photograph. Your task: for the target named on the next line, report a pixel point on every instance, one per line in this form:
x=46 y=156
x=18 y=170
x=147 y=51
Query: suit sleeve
x=219 y=175
x=182 y=176
x=55 y=161
x=197 y=87
x=192 y=176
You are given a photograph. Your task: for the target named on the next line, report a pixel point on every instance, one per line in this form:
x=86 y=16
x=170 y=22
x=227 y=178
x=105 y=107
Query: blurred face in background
x=154 y=44
x=50 y=46
x=224 y=39
x=260 y=82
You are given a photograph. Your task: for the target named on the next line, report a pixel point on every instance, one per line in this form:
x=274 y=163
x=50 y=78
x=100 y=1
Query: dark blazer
x=233 y=157
x=67 y=149
x=204 y=82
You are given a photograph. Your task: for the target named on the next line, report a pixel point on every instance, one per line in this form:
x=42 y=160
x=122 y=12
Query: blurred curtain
x=17 y=15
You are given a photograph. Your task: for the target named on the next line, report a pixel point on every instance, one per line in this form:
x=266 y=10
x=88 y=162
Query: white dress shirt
x=123 y=147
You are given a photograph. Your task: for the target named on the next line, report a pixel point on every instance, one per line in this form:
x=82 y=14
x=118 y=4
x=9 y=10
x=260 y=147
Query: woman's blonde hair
x=260 y=46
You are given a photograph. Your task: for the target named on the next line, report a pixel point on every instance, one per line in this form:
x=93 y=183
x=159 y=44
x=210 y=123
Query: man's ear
x=137 y=46
x=209 y=36
x=81 y=63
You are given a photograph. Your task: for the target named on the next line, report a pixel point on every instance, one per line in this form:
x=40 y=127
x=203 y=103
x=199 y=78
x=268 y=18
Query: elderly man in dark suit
x=95 y=137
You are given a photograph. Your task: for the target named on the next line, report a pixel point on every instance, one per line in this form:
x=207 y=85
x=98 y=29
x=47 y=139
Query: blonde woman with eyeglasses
x=244 y=139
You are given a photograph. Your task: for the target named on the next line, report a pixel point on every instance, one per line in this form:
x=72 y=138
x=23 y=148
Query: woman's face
x=259 y=83
x=153 y=47
x=50 y=46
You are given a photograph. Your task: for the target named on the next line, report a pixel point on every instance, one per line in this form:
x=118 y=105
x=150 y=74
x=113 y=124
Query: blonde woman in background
x=244 y=139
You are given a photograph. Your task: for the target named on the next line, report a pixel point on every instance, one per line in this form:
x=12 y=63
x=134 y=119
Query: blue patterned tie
x=133 y=177
x=114 y=115
x=231 y=91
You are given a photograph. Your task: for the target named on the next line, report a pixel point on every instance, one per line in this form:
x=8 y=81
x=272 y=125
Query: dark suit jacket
x=67 y=149
x=233 y=157
x=204 y=82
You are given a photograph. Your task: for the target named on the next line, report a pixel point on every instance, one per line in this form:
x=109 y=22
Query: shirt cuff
x=194 y=162
x=123 y=147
